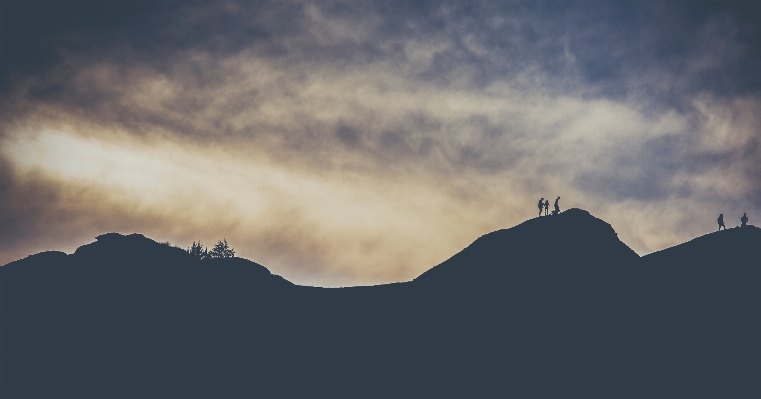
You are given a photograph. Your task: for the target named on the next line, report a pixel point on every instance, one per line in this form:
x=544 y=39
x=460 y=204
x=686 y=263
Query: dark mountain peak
x=109 y=237
x=133 y=245
x=738 y=238
x=529 y=310
x=573 y=241
x=574 y=218
x=134 y=256
x=731 y=253
x=38 y=258
x=118 y=237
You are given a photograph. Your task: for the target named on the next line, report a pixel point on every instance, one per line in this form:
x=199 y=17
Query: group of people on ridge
x=720 y=220
x=546 y=205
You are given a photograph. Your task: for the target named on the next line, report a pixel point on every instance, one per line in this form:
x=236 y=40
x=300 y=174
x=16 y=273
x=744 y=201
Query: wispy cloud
x=340 y=143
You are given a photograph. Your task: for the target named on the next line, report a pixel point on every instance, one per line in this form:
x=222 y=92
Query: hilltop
x=556 y=306
x=572 y=243
x=731 y=253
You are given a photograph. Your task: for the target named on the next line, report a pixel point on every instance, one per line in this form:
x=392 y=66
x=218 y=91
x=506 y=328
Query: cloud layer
x=344 y=144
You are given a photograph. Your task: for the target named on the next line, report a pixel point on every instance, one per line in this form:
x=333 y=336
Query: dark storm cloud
x=34 y=35
x=665 y=51
x=606 y=41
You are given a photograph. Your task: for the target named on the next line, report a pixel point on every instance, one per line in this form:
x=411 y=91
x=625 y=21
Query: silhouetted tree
x=222 y=250
x=197 y=251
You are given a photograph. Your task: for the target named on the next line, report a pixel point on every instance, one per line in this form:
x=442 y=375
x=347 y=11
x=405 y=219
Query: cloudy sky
x=345 y=143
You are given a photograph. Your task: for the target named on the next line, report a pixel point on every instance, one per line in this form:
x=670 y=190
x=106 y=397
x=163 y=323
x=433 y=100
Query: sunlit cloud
x=340 y=144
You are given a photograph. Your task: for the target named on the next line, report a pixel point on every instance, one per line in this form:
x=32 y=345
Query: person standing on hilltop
x=743 y=220
x=546 y=207
x=541 y=205
x=720 y=221
x=557 y=207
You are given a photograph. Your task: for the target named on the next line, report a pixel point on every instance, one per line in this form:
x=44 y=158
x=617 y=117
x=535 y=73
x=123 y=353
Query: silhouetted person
x=541 y=204
x=557 y=207
x=546 y=207
x=720 y=221
x=743 y=221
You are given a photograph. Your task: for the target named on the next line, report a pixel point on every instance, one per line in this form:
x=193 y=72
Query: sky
x=348 y=143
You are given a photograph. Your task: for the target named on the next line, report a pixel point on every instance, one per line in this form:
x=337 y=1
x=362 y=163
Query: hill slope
x=554 y=307
x=729 y=253
x=571 y=244
x=700 y=305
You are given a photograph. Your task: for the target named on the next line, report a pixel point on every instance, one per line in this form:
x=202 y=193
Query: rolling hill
x=554 y=307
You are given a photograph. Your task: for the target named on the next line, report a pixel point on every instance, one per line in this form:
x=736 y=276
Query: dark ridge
x=557 y=306
x=39 y=265
x=42 y=257
x=724 y=252
x=573 y=243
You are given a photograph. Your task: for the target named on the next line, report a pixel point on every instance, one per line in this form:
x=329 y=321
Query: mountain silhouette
x=701 y=315
x=557 y=306
x=570 y=244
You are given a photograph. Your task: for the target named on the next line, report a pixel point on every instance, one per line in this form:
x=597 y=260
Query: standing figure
x=743 y=221
x=546 y=207
x=557 y=207
x=720 y=220
x=541 y=204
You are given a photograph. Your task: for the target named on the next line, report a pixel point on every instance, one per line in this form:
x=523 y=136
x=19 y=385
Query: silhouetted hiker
x=720 y=220
x=557 y=207
x=546 y=207
x=541 y=204
x=743 y=221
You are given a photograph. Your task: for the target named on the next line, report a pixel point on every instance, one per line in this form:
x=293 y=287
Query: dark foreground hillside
x=554 y=307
